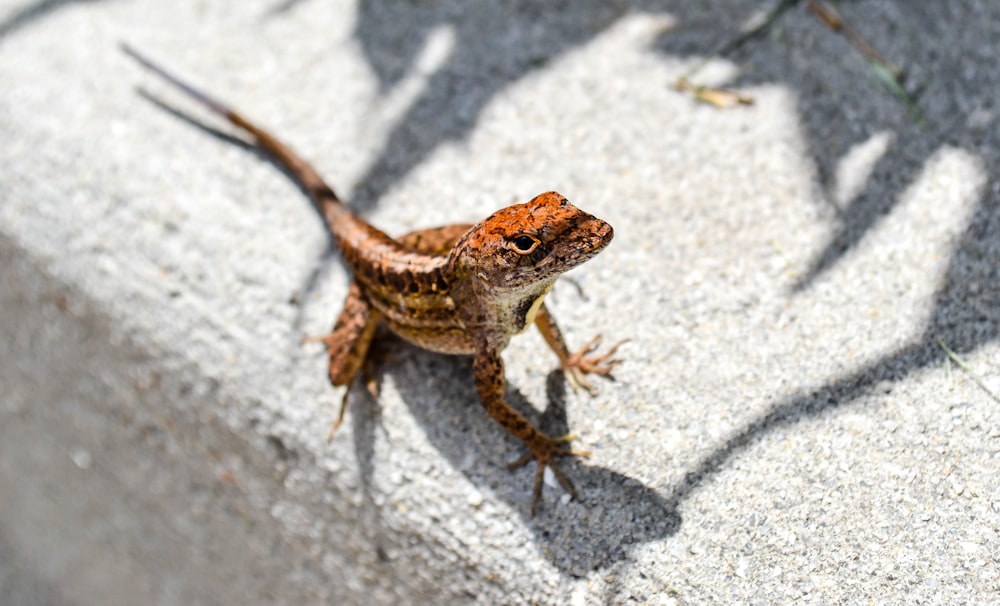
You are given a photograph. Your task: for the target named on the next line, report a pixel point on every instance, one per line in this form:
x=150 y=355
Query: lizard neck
x=498 y=312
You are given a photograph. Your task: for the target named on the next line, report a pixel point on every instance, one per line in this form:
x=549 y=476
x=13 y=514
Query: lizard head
x=529 y=245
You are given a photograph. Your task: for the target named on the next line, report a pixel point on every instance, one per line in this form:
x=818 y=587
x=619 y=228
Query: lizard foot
x=580 y=364
x=544 y=453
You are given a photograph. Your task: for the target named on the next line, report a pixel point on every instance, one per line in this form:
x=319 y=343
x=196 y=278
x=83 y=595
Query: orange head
x=529 y=244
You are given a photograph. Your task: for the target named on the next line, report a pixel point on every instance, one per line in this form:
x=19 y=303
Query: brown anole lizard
x=459 y=289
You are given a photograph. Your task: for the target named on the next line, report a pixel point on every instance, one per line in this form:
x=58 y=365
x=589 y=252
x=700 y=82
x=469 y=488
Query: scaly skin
x=458 y=289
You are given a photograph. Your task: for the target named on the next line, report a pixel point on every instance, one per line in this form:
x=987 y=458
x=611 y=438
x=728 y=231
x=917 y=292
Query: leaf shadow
x=842 y=106
x=966 y=309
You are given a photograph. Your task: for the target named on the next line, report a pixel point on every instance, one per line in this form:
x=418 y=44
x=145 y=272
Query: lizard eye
x=525 y=244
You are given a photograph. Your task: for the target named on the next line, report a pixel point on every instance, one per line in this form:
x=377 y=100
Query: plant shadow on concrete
x=32 y=13
x=941 y=47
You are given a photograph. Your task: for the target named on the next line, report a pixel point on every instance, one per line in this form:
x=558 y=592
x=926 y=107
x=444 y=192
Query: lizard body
x=458 y=289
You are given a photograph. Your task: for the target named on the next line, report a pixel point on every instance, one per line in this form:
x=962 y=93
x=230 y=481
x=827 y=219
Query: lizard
x=459 y=289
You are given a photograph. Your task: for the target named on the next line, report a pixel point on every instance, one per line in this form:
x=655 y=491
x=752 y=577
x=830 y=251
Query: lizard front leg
x=577 y=364
x=347 y=345
x=490 y=383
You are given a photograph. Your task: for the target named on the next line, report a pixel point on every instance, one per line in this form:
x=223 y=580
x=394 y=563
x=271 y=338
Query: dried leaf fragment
x=719 y=97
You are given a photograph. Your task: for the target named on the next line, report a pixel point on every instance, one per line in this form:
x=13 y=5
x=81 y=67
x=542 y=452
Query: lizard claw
x=371 y=386
x=310 y=339
x=544 y=453
x=580 y=364
x=340 y=417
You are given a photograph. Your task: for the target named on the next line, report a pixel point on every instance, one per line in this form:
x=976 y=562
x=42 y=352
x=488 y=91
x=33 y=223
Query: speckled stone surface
x=786 y=426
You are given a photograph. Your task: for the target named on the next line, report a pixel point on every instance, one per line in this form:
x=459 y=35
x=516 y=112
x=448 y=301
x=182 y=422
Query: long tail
x=326 y=201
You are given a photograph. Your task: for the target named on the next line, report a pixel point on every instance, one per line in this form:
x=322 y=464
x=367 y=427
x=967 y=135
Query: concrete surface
x=786 y=426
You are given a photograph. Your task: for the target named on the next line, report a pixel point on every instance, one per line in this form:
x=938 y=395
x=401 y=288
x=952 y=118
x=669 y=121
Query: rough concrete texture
x=786 y=425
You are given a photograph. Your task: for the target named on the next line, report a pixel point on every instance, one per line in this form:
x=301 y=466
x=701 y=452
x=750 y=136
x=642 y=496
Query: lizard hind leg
x=348 y=344
x=370 y=381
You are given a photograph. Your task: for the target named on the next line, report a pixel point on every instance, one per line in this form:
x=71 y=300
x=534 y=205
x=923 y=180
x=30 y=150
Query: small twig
x=949 y=365
x=834 y=21
x=961 y=364
x=888 y=74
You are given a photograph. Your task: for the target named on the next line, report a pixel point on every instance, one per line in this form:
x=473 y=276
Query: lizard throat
x=529 y=316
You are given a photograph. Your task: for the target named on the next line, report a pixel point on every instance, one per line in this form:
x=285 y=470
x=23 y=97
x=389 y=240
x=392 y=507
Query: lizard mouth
x=588 y=236
x=603 y=234
x=595 y=237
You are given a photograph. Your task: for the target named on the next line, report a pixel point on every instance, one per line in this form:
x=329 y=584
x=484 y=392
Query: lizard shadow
x=615 y=513
x=219 y=134
x=365 y=413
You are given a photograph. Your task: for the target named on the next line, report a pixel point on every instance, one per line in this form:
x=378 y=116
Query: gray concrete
x=785 y=427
